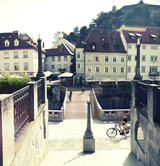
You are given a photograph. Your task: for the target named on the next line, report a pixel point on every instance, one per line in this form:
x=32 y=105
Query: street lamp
x=40 y=72
x=137 y=75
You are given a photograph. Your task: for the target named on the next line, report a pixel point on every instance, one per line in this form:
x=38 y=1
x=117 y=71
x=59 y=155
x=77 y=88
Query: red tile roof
x=146 y=35
x=94 y=37
x=60 y=51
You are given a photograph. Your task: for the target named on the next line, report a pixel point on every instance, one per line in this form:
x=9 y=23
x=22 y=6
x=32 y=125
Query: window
x=89 y=69
x=114 y=69
x=129 y=57
x=16 y=42
x=153 y=68
x=153 y=59
x=25 y=54
x=143 y=47
x=6 y=55
x=89 y=58
x=135 y=57
x=106 y=46
x=65 y=66
x=122 y=59
x=6 y=43
x=114 y=39
x=143 y=58
x=16 y=66
x=65 y=58
x=93 y=46
x=16 y=54
x=114 y=59
x=6 y=66
x=53 y=58
x=53 y=67
x=122 y=69
x=129 y=46
x=78 y=65
x=143 y=69
x=78 y=54
x=154 y=47
x=129 y=69
x=103 y=38
x=25 y=65
x=59 y=58
x=106 y=58
x=59 y=66
x=97 y=58
x=132 y=37
x=97 y=69
x=106 y=69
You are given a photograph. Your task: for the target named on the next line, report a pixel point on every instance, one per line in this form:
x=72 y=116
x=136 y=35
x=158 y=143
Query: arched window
x=6 y=43
x=106 y=46
x=16 y=42
x=93 y=46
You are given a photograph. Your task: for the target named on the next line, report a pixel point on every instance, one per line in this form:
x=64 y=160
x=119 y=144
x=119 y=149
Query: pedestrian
x=70 y=95
x=82 y=89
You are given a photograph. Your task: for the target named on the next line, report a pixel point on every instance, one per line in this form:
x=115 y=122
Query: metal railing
x=141 y=98
x=21 y=101
x=39 y=92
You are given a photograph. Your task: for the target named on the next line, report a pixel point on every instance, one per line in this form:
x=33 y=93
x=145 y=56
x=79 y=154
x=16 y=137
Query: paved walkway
x=65 y=147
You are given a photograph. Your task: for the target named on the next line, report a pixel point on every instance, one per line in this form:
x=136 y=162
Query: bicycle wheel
x=111 y=132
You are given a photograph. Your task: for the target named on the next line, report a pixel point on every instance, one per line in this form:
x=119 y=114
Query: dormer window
x=154 y=37
x=116 y=47
x=114 y=40
x=132 y=36
x=139 y=36
x=93 y=46
x=6 y=43
x=103 y=39
x=16 y=42
x=106 y=46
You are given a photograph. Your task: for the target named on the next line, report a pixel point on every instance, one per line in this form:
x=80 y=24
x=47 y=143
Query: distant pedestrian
x=70 y=95
x=82 y=89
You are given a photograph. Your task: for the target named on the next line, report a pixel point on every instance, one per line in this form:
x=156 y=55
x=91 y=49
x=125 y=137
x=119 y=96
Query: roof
x=60 y=51
x=147 y=35
x=104 y=39
x=66 y=74
x=11 y=37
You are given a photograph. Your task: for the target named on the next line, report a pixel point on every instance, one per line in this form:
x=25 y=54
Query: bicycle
x=112 y=132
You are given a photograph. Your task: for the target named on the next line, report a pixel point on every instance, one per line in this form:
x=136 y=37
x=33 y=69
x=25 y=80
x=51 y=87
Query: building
x=59 y=59
x=100 y=56
x=149 y=50
x=18 y=55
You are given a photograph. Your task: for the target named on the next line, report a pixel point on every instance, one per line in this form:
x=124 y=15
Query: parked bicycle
x=112 y=132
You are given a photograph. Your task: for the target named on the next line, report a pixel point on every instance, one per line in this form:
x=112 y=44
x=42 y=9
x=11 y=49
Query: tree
x=73 y=64
x=76 y=30
x=71 y=37
x=58 y=35
x=114 y=9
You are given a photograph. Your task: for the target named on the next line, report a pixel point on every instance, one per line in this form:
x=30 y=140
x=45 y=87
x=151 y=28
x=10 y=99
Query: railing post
x=6 y=129
x=33 y=100
x=152 y=101
x=44 y=89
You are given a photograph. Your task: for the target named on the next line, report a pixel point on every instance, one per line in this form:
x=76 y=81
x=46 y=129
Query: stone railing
x=59 y=115
x=24 y=126
x=145 y=122
x=108 y=114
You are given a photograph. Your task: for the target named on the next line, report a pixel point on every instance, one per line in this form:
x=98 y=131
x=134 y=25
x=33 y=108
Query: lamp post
x=88 y=139
x=40 y=72
x=137 y=75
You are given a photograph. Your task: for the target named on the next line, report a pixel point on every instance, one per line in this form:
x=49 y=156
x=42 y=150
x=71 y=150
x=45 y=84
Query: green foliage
x=10 y=83
x=73 y=64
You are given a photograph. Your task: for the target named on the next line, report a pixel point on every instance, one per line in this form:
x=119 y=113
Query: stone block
x=88 y=145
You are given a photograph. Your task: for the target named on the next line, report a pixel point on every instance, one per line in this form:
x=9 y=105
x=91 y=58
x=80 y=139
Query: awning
x=66 y=75
x=48 y=73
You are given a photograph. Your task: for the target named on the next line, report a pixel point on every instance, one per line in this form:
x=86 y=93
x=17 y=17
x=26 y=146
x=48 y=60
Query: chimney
x=101 y=28
x=15 y=33
x=113 y=27
x=84 y=35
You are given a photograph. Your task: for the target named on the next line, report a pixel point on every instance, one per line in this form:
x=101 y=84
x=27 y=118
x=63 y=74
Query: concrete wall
x=147 y=149
x=31 y=145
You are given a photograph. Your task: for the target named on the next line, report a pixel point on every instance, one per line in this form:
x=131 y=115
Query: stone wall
x=146 y=143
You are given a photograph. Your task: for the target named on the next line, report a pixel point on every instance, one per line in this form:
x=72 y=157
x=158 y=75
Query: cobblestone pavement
x=66 y=145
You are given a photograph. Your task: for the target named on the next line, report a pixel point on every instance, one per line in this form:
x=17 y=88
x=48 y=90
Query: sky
x=45 y=17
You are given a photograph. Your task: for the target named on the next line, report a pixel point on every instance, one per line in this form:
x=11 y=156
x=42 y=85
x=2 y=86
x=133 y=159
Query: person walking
x=70 y=95
x=82 y=89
